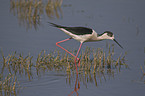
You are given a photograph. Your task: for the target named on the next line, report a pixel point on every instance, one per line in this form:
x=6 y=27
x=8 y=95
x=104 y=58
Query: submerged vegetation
x=94 y=62
x=29 y=12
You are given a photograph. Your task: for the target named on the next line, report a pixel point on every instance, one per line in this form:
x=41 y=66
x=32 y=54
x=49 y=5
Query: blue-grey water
x=125 y=18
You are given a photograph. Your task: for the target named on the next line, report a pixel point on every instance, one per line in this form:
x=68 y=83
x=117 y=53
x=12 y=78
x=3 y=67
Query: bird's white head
x=108 y=35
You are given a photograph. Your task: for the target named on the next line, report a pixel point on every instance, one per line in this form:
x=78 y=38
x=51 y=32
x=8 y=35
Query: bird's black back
x=75 y=30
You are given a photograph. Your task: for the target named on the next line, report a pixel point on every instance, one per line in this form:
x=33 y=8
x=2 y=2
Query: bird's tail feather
x=55 y=25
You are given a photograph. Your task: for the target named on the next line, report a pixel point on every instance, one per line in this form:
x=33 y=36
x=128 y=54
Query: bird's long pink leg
x=57 y=43
x=77 y=55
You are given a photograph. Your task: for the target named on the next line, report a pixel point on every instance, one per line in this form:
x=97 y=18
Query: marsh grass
x=101 y=61
x=53 y=8
x=95 y=63
x=29 y=12
x=8 y=85
x=17 y=64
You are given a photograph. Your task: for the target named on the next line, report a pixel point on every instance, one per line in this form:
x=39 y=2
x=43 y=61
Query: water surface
x=126 y=19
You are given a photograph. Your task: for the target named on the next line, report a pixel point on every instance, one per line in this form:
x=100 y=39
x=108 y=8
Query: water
x=126 y=19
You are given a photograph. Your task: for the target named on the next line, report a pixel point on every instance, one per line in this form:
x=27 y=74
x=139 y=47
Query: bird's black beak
x=118 y=43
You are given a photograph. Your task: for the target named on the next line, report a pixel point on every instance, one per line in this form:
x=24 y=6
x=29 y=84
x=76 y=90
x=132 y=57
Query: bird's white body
x=87 y=37
x=81 y=38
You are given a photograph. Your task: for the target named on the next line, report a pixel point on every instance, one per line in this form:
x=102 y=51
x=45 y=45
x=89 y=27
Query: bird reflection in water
x=77 y=86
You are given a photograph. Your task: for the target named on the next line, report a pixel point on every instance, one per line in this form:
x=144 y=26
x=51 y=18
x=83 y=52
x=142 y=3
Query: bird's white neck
x=104 y=36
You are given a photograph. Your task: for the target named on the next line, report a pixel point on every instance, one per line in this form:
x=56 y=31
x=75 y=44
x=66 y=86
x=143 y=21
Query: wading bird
x=82 y=34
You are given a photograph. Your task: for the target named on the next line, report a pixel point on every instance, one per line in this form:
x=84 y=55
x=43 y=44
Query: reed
x=91 y=60
x=29 y=12
x=17 y=64
x=8 y=85
x=94 y=64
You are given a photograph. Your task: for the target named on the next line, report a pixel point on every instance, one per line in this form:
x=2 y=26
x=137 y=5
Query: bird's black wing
x=74 y=30
x=79 y=30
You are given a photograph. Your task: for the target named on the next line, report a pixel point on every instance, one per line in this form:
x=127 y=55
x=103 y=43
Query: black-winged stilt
x=83 y=34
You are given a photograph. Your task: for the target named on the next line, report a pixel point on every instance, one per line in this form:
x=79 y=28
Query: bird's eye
x=110 y=34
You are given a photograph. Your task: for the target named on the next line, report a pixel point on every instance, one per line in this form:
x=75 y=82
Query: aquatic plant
x=29 y=12
x=17 y=64
x=95 y=63
x=8 y=85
